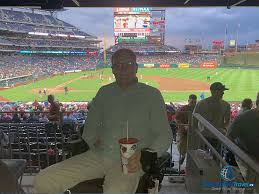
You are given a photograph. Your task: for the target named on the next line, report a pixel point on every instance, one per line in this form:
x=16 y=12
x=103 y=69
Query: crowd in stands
x=73 y=110
x=175 y=58
x=163 y=54
x=145 y=48
x=16 y=48
x=46 y=42
x=37 y=112
x=20 y=65
x=29 y=22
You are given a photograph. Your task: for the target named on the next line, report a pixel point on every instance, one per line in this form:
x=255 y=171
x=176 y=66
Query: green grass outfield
x=243 y=83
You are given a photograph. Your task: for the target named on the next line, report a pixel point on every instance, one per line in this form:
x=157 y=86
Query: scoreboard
x=139 y=25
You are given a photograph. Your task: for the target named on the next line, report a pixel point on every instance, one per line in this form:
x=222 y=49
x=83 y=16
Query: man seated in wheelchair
x=125 y=117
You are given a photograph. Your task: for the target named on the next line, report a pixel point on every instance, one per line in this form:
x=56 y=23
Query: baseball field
x=175 y=84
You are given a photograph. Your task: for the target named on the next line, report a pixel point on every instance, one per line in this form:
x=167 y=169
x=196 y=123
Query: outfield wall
x=205 y=64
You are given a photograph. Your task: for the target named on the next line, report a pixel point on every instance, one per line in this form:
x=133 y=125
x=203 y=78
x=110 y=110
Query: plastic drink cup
x=127 y=148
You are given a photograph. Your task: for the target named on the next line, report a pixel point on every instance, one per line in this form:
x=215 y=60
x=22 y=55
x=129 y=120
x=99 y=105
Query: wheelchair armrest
x=16 y=166
x=147 y=180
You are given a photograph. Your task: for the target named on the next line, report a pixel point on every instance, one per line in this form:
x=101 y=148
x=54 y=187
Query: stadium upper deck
x=19 y=30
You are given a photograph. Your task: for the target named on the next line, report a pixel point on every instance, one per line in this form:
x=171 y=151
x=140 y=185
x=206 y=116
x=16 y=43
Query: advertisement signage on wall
x=164 y=66
x=183 y=65
x=218 y=42
x=149 y=65
x=173 y=65
x=209 y=64
x=195 y=66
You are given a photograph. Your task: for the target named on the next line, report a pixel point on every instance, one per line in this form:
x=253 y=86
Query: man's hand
x=134 y=162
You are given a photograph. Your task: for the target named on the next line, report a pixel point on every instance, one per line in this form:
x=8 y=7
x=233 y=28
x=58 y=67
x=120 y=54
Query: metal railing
x=176 y=169
x=211 y=160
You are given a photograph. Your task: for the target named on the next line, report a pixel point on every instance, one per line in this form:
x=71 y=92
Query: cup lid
x=129 y=141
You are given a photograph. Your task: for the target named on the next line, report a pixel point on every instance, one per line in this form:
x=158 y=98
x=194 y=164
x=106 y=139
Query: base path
x=3 y=99
x=172 y=84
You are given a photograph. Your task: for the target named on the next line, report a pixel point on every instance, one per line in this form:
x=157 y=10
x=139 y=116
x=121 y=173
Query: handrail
x=228 y=143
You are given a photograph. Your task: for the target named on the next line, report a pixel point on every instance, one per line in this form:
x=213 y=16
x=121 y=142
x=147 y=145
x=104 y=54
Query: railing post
x=61 y=124
x=192 y=139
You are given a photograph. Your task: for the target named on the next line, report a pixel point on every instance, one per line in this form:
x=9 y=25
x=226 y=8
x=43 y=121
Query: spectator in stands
x=4 y=141
x=202 y=96
x=54 y=110
x=247 y=104
x=16 y=118
x=182 y=118
x=33 y=118
x=43 y=118
x=215 y=110
x=244 y=132
x=6 y=118
x=170 y=113
x=114 y=104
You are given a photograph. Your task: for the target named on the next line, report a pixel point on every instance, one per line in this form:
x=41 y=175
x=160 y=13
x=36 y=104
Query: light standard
x=238 y=26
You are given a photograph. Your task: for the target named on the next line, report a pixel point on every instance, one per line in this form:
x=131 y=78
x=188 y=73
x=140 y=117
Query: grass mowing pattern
x=243 y=83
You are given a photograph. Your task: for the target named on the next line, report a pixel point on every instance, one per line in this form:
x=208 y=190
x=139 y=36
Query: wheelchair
x=153 y=166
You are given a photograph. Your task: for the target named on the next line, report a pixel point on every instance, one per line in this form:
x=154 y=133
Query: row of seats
x=41 y=146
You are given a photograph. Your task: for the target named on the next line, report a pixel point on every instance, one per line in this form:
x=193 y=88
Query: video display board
x=139 y=25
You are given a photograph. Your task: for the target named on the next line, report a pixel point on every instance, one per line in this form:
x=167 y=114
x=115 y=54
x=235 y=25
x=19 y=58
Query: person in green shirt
x=116 y=104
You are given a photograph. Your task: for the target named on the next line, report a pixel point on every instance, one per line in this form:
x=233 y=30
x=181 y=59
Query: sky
x=204 y=24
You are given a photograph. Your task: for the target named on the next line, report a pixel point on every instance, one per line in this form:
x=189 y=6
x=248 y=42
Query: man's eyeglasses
x=123 y=65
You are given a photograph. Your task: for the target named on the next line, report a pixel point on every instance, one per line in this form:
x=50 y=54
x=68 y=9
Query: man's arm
x=93 y=121
x=180 y=119
x=234 y=129
x=227 y=117
x=160 y=124
x=55 y=112
x=196 y=110
x=179 y=116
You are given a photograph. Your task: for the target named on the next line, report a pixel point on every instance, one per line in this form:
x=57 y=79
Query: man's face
x=192 y=102
x=124 y=70
x=217 y=93
x=50 y=99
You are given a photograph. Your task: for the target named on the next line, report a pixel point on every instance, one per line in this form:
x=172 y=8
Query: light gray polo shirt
x=141 y=105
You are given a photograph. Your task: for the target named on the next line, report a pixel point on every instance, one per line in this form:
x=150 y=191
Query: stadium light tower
x=76 y=2
x=239 y=2
x=186 y=2
x=238 y=26
x=104 y=49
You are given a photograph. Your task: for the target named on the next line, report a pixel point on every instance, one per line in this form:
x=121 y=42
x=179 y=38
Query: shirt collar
x=133 y=85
